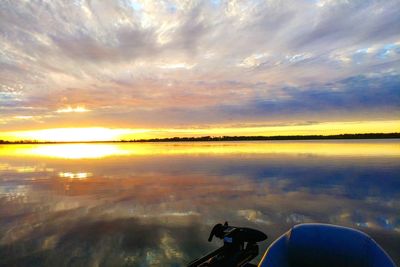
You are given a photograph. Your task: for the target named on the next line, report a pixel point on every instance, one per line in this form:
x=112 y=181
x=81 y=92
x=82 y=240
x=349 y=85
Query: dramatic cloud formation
x=169 y=64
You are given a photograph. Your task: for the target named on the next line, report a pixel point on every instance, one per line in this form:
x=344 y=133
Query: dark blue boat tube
x=324 y=245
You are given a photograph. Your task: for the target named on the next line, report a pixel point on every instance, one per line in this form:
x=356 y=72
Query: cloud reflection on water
x=156 y=208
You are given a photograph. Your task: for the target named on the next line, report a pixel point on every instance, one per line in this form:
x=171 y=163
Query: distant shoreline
x=228 y=138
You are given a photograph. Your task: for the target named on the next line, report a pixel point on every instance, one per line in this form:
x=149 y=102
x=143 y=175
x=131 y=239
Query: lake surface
x=153 y=204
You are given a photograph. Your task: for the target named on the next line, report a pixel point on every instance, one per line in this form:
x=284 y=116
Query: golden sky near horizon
x=104 y=134
x=126 y=69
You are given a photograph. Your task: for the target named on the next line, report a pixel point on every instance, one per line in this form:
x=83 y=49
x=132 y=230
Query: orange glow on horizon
x=112 y=134
x=71 y=134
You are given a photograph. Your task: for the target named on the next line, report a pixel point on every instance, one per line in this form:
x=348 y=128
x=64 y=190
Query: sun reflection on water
x=77 y=175
x=93 y=151
x=67 y=151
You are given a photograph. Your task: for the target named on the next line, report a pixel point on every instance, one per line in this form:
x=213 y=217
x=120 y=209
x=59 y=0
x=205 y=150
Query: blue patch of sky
x=77 y=2
x=9 y=99
x=312 y=2
x=7 y=96
x=171 y=7
x=359 y=55
x=135 y=5
x=216 y=2
x=388 y=49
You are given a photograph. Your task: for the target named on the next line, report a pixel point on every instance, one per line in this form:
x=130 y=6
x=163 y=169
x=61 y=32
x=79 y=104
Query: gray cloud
x=181 y=58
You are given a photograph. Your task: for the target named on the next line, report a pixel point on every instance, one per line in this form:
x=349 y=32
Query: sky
x=95 y=70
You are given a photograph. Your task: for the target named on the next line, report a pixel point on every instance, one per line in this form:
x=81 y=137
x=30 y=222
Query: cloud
x=142 y=59
x=342 y=100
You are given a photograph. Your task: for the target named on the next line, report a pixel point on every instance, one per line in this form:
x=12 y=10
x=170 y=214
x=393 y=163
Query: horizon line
x=210 y=138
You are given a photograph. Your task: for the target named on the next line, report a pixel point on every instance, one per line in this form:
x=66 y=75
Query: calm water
x=154 y=204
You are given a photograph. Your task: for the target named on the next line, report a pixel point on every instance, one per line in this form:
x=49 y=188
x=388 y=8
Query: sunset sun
x=75 y=134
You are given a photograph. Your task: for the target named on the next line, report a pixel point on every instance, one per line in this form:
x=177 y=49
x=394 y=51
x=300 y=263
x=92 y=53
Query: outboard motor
x=240 y=247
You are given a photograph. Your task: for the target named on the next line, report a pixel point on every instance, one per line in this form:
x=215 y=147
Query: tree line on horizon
x=232 y=138
x=278 y=137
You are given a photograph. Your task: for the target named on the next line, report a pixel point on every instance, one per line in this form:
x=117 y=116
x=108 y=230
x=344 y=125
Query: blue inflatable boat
x=323 y=245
